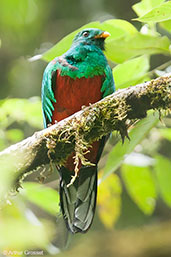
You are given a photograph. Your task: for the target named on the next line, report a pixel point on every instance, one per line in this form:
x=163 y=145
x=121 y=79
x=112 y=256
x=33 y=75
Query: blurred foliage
x=157 y=14
x=109 y=200
x=166 y=133
x=20 y=229
x=45 y=197
x=141 y=186
x=135 y=71
x=125 y=42
x=120 y=151
x=145 y=6
x=18 y=111
x=163 y=175
x=142 y=165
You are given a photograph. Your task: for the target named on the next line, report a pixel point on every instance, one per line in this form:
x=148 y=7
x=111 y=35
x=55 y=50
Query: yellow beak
x=104 y=34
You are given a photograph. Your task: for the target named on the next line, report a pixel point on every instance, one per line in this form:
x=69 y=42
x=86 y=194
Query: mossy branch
x=115 y=112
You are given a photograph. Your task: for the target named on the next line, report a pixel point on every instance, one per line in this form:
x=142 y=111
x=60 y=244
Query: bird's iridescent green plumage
x=89 y=61
x=78 y=77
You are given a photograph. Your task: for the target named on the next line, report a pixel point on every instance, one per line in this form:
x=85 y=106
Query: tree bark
x=78 y=131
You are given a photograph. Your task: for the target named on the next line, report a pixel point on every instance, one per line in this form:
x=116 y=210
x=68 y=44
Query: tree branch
x=114 y=112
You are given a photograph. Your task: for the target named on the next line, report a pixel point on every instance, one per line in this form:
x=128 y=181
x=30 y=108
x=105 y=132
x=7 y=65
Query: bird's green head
x=91 y=36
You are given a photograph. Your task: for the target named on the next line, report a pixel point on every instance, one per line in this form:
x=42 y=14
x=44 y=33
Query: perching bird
x=79 y=77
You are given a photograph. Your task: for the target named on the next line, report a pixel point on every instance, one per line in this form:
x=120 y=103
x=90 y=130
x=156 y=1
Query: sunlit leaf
x=166 y=133
x=142 y=79
x=140 y=186
x=109 y=200
x=14 y=135
x=20 y=228
x=119 y=152
x=125 y=42
x=145 y=6
x=166 y=25
x=160 y=13
x=122 y=49
x=28 y=110
x=117 y=28
x=45 y=197
x=131 y=71
x=163 y=172
x=20 y=233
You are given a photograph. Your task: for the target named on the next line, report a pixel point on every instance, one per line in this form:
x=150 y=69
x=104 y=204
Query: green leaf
x=28 y=110
x=163 y=173
x=45 y=197
x=122 y=49
x=145 y=6
x=21 y=234
x=160 y=13
x=166 y=25
x=20 y=228
x=140 y=186
x=125 y=42
x=14 y=135
x=109 y=200
x=119 y=152
x=131 y=71
x=166 y=133
x=117 y=29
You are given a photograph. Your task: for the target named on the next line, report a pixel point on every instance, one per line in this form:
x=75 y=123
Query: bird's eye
x=86 y=34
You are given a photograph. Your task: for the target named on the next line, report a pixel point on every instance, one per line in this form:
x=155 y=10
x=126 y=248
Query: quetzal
x=79 y=77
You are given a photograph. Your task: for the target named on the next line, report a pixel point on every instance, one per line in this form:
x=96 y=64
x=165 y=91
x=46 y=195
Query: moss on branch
x=114 y=112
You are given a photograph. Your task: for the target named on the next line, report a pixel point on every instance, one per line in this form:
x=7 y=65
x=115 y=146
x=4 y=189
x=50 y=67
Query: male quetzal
x=77 y=78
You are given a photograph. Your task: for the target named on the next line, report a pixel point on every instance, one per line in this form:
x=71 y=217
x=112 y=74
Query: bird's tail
x=78 y=201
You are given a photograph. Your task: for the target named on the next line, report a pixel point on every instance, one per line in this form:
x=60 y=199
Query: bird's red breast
x=71 y=94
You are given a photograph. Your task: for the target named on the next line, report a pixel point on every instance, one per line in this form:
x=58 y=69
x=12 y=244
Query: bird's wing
x=49 y=83
x=108 y=86
x=48 y=98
